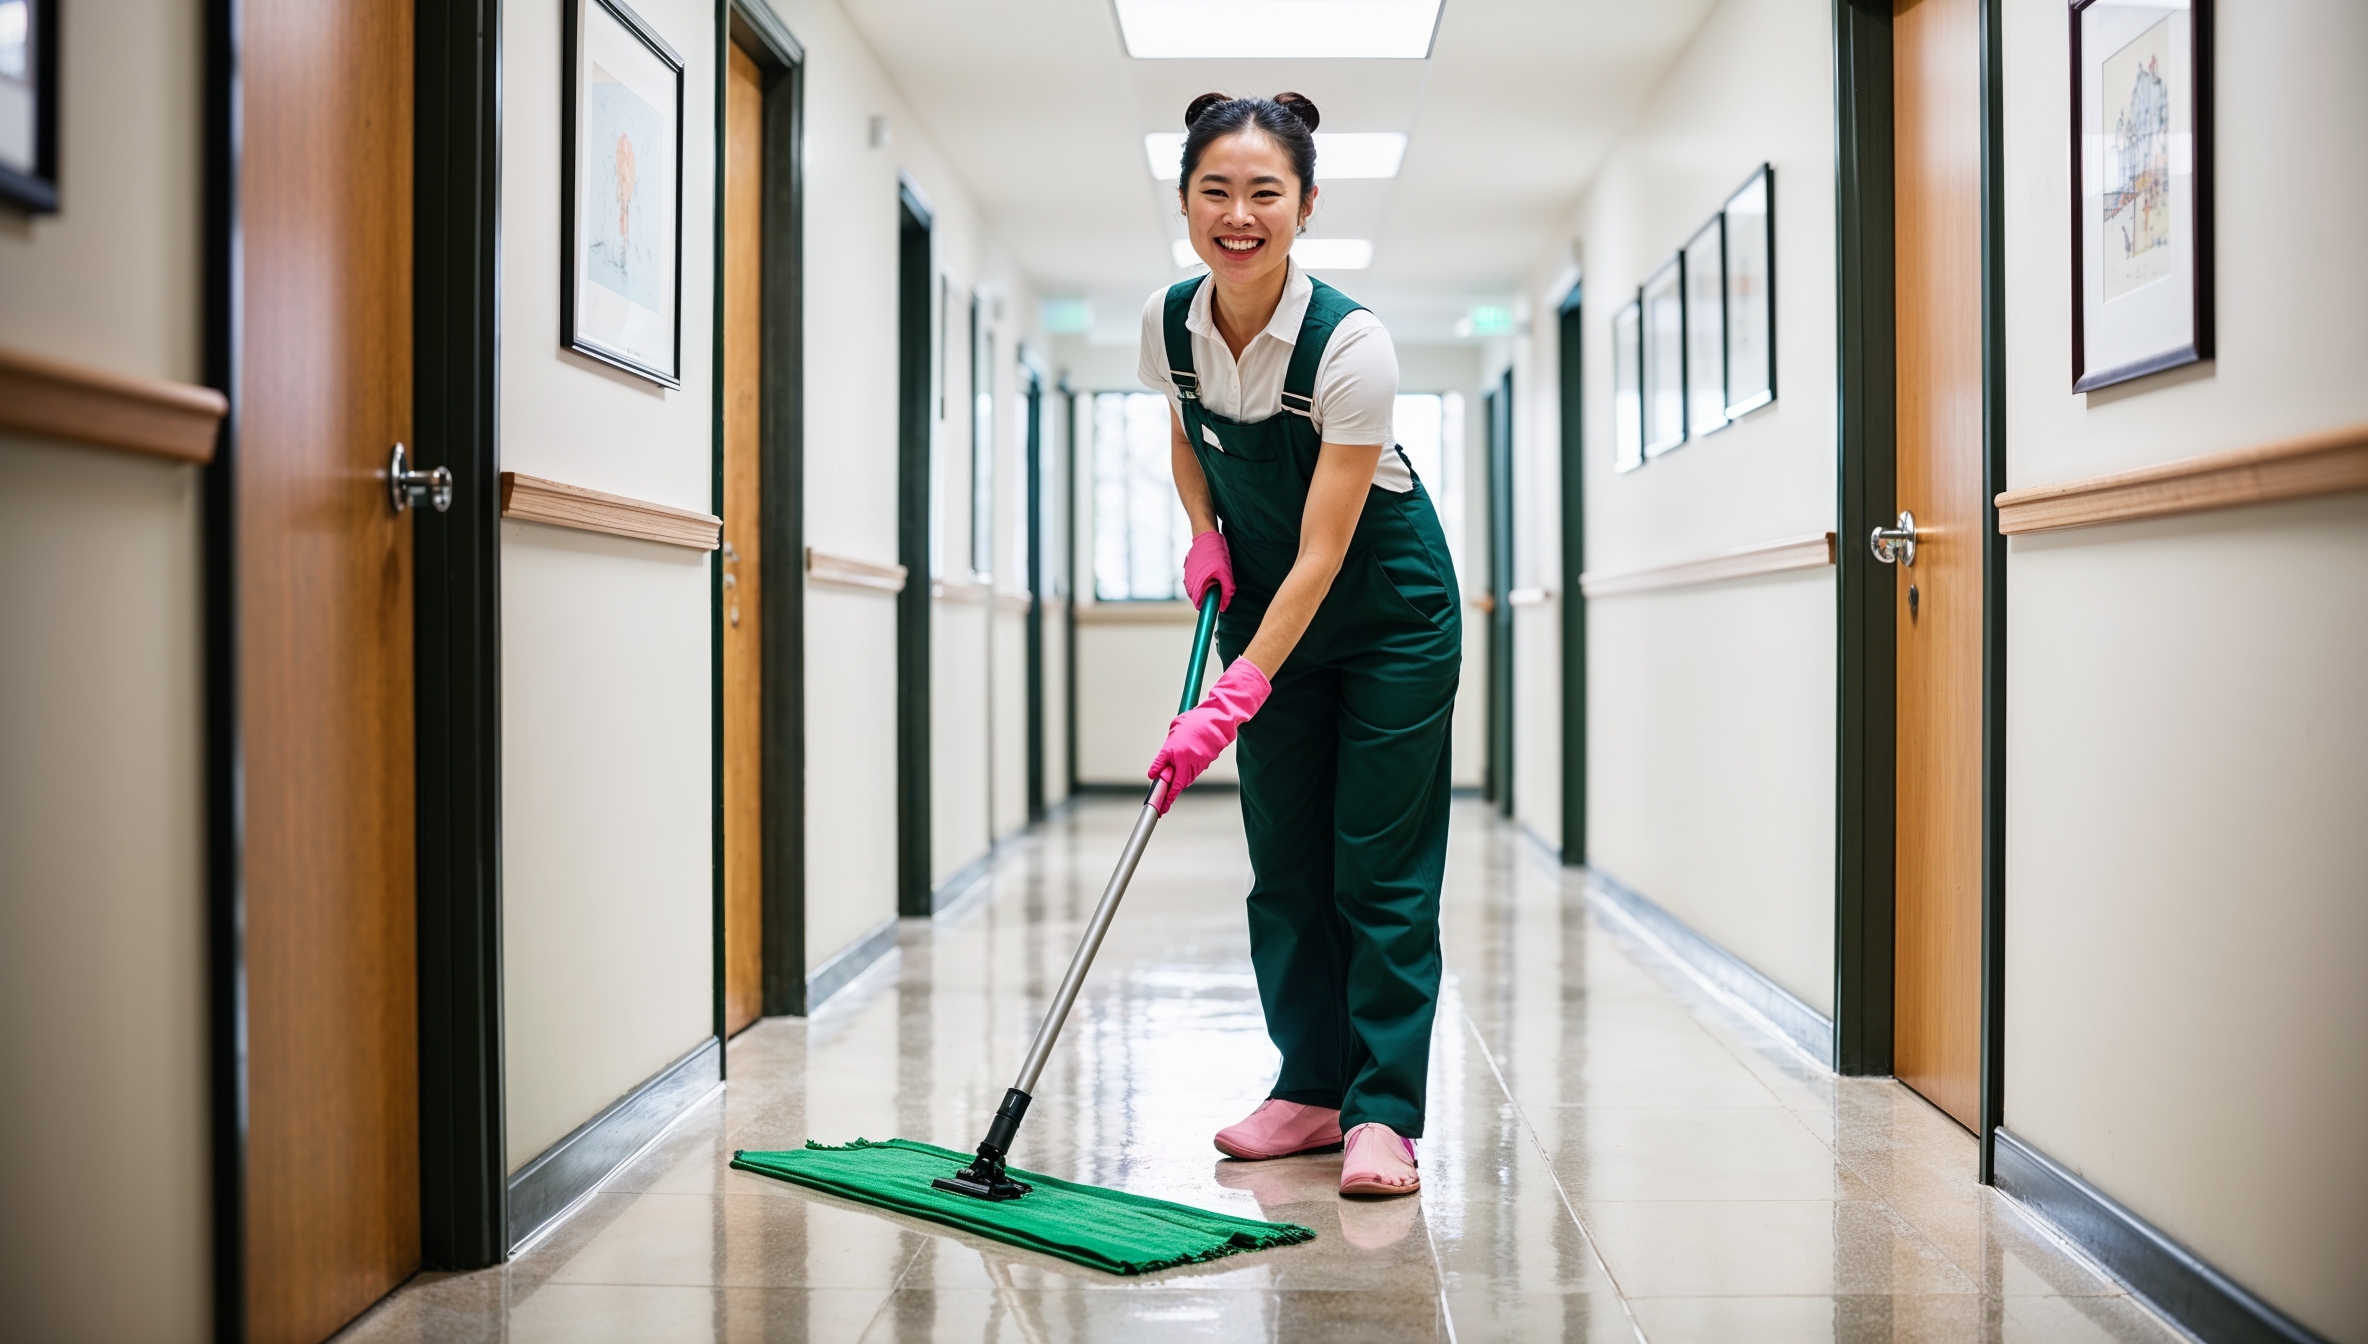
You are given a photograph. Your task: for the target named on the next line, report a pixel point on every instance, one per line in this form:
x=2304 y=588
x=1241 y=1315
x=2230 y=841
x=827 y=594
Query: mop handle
x=1106 y=909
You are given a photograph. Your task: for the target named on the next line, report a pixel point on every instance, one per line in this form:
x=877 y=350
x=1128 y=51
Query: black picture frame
x=1627 y=399
x=1663 y=365
x=1705 y=270
x=2158 y=327
x=1750 y=257
x=587 y=309
x=29 y=77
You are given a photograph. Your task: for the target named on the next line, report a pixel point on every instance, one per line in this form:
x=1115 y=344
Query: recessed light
x=1339 y=154
x=1303 y=29
x=1314 y=254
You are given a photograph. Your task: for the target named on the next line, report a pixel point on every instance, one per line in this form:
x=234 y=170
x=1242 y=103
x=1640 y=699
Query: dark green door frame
x=1500 y=589
x=1032 y=480
x=1866 y=741
x=781 y=486
x=1574 y=563
x=914 y=285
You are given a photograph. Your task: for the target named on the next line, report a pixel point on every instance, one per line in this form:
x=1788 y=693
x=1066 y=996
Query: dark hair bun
x=1299 y=106
x=1202 y=104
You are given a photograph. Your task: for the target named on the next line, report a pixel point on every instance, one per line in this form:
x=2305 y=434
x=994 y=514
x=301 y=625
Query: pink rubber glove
x=1209 y=561
x=1196 y=736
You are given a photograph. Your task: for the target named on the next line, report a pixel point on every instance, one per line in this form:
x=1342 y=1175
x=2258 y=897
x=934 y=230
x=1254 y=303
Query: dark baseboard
x=1796 y=1021
x=2172 y=1279
x=573 y=1167
x=967 y=878
x=848 y=962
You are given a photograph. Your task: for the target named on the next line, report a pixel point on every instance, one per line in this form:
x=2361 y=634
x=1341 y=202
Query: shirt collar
x=1298 y=292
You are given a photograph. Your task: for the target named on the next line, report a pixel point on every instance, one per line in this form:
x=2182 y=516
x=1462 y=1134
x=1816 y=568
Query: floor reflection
x=1613 y=1155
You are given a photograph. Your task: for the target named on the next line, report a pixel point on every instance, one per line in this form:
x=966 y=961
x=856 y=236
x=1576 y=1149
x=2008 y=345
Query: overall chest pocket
x=1261 y=442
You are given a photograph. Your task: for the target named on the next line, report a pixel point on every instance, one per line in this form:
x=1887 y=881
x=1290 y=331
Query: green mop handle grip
x=1202 y=632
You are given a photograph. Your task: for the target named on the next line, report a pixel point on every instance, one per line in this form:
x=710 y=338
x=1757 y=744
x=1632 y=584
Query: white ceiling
x=1043 y=115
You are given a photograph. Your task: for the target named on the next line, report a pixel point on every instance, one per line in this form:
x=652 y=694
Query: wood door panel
x=744 y=166
x=1936 y=102
x=325 y=610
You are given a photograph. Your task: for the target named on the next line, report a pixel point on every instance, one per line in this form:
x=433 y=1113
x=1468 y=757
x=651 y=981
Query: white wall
x=1710 y=747
x=607 y=862
x=2186 y=734
x=851 y=230
x=102 y=890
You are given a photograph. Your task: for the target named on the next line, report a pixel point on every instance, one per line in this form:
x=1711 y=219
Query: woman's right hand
x=1209 y=561
x=1199 y=735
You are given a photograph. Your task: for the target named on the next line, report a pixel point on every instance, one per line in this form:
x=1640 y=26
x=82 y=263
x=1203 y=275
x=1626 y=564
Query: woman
x=1341 y=636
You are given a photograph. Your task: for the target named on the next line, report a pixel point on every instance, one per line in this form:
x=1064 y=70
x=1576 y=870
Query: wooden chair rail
x=1135 y=613
x=536 y=500
x=2317 y=464
x=54 y=400
x=841 y=571
x=1814 y=551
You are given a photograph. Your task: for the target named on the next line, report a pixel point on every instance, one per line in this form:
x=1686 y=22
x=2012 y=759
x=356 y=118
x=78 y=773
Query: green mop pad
x=1105 y=1229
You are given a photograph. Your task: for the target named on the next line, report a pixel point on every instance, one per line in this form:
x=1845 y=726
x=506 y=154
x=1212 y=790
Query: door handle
x=403 y=486
x=1895 y=543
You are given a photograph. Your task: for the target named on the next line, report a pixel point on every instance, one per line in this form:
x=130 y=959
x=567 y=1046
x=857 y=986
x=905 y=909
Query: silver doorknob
x=1895 y=543
x=404 y=486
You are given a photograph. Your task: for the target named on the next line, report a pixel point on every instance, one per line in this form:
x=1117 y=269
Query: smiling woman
x=1342 y=637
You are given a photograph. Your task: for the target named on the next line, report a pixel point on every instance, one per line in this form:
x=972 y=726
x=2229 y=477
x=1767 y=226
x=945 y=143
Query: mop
x=1105 y=1229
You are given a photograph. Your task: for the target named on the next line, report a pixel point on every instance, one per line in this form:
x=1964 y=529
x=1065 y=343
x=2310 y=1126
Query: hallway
x=1612 y=1152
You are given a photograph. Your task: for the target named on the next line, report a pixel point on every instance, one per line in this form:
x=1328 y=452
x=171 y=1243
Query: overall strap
x=1326 y=306
x=1179 y=339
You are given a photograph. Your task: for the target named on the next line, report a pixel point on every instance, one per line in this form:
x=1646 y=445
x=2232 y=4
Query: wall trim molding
x=52 y=399
x=842 y=966
x=533 y=499
x=543 y=1190
x=1134 y=613
x=1815 y=551
x=2330 y=463
x=2169 y=1277
x=961 y=590
x=842 y=571
x=1779 y=1008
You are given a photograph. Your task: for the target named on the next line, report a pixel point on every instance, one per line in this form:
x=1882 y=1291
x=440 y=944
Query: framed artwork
x=29 y=104
x=621 y=283
x=1628 y=388
x=1706 y=329
x=2142 y=188
x=1664 y=372
x=1750 y=220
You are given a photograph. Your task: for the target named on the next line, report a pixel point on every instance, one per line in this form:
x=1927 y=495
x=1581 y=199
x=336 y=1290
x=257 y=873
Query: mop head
x=1105 y=1229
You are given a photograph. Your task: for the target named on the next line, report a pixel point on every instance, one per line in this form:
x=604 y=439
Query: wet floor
x=1613 y=1154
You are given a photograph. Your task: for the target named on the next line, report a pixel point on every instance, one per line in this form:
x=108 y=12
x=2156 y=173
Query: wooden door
x=744 y=756
x=1936 y=103
x=325 y=674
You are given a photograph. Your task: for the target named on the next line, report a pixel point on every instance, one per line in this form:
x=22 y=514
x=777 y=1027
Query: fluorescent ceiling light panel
x=1314 y=254
x=1384 y=30
x=1339 y=154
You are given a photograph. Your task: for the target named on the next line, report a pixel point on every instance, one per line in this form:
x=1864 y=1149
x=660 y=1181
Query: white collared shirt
x=1356 y=384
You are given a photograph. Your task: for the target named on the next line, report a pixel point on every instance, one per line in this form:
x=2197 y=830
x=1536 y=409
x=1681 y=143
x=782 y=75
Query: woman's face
x=1243 y=206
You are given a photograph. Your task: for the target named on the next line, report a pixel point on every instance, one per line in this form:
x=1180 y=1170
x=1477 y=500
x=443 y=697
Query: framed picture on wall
x=621 y=257
x=1750 y=219
x=2142 y=188
x=1628 y=388
x=1706 y=329
x=1664 y=300
x=29 y=104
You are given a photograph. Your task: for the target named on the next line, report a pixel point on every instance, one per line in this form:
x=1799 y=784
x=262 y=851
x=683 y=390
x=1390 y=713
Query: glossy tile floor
x=1612 y=1154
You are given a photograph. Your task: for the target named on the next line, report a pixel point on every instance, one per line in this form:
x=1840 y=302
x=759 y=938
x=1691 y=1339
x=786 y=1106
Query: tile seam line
x=1594 y=1247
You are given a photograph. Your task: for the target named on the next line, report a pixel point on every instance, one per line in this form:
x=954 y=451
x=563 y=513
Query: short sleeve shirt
x=1356 y=383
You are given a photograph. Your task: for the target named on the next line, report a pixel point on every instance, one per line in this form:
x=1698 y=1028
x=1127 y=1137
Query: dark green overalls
x=1345 y=770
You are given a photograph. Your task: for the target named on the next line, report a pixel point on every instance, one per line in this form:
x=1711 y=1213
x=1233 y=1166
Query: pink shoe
x=1379 y=1162
x=1280 y=1129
